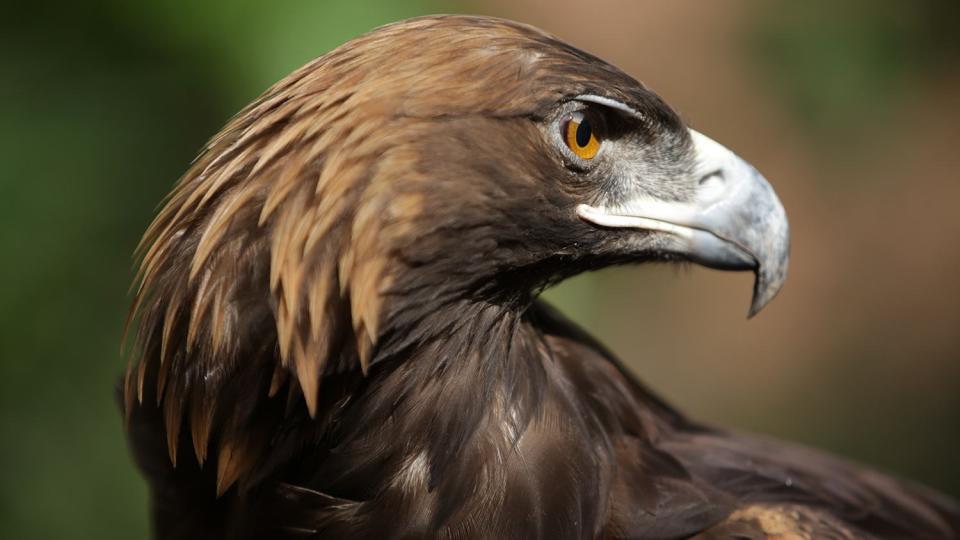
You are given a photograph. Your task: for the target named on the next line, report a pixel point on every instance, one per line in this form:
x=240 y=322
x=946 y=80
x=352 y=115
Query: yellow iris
x=581 y=139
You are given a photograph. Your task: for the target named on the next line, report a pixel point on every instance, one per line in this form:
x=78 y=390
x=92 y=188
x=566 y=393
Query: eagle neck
x=474 y=376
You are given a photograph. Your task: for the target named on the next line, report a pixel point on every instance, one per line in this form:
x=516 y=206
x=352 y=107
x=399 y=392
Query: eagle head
x=362 y=204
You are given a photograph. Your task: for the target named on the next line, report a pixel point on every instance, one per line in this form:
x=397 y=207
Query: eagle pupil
x=583 y=133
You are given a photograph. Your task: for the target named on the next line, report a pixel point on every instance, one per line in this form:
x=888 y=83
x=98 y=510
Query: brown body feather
x=337 y=334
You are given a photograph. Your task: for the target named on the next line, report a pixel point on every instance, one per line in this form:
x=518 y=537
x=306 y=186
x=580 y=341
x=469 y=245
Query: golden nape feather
x=338 y=332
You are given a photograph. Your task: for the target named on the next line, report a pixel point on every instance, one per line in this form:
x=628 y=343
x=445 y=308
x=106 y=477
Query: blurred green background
x=851 y=109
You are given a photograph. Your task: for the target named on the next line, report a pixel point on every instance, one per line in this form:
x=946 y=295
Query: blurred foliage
x=850 y=63
x=102 y=106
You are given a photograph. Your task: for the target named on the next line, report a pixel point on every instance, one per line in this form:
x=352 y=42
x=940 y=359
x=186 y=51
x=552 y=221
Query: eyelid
x=609 y=102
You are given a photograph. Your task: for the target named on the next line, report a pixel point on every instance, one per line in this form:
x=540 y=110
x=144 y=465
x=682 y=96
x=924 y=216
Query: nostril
x=716 y=175
x=711 y=186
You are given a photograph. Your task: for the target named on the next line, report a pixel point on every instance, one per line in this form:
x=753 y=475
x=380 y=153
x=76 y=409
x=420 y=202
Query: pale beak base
x=736 y=221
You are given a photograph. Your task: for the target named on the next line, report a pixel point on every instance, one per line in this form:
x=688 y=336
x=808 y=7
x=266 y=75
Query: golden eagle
x=338 y=331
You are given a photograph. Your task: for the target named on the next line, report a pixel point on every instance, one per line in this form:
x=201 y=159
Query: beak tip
x=757 y=304
x=766 y=287
x=773 y=262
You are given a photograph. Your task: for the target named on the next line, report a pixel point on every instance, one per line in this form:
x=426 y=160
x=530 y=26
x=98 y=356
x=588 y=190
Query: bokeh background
x=851 y=109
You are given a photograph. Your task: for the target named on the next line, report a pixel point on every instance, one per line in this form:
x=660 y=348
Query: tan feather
x=285 y=331
x=282 y=236
x=172 y=417
x=319 y=296
x=220 y=333
x=201 y=420
x=217 y=227
x=200 y=303
x=169 y=321
x=228 y=466
x=288 y=179
x=222 y=177
x=308 y=374
x=278 y=145
x=141 y=375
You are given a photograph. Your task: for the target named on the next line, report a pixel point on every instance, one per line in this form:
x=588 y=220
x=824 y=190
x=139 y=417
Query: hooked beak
x=735 y=222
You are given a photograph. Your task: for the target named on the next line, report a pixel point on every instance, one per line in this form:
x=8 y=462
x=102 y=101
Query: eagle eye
x=580 y=136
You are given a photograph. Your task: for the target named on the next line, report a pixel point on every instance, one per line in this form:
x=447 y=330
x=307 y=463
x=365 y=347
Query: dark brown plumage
x=338 y=332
